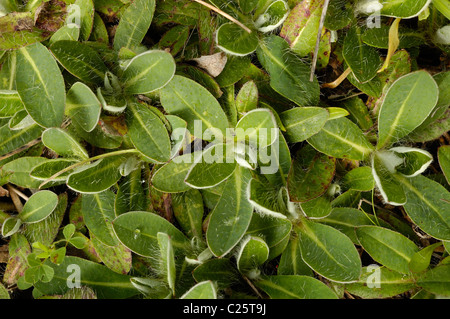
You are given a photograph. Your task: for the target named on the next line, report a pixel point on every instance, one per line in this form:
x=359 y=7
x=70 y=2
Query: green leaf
x=252 y=254
x=275 y=232
x=8 y=70
x=99 y=31
x=234 y=40
x=274 y=16
x=420 y=261
x=383 y=171
x=19 y=249
x=295 y=287
x=100 y=136
x=219 y=270
x=170 y=177
x=68 y=231
x=10 y=103
x=415 y=160
x=175 y=39
x=62 y=143
x=257 y=127
x=317 y=208
x=405 y=106
x=341 y=138
x=148 y=133
x=83 y=106
x=427 y=205
x=360 y=179
x=18 y=171
x=310 y=175
x=444 y=161
x=436 y=280
x=387 y=247
x=117 y=258
x=66 y=32
x=339 y=15
x=80 y=60
x=11 y=226
x=97 y=177
x=203 y=290
x=86 y=18
x=98 y=215
x=267 y=199
x=289 y=76
x=40 y=85
x=363 y=60
x=190 y=101
x=134 y=24
x=403 y=9
x=131 y=195
x=329 y=252
x=379 y=37
x=215 y=165
x=148 y=72
x=138 y=231
x=231 y=217
x=4 y=294
x=234 y=70
x=380 y=282
x=106 y=283
x=167 y=259
x=359 y=113
x=48 y=169
x=303 y=122
x=188 y=210
x=20 y=120
x=247 y=98
x=443 y=6
x=12 y=140
x=291 y=262
x=38 y=207
x=301 y=26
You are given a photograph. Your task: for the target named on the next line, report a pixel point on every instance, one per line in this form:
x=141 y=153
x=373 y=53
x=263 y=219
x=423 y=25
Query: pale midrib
x=96 y=71
x=140 y=75
x=399 y=253
x=363 y=150
x=37 y=72
x=415 y=191
x=280 y=64
x=19 y=133
x=101 y=283
x=321 y=245
x=96 y=171
x=399 y=115
x=31 y=212
x=135 y=25
x=141 y=122
x=193 y=109
x=12 y=71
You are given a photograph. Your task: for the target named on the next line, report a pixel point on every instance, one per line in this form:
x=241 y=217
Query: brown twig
x=224 y=14
x=20 y=149
x=15 y=198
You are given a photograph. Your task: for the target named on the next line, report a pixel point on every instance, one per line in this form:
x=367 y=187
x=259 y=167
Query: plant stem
x=224 y=14
x=101 y=156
